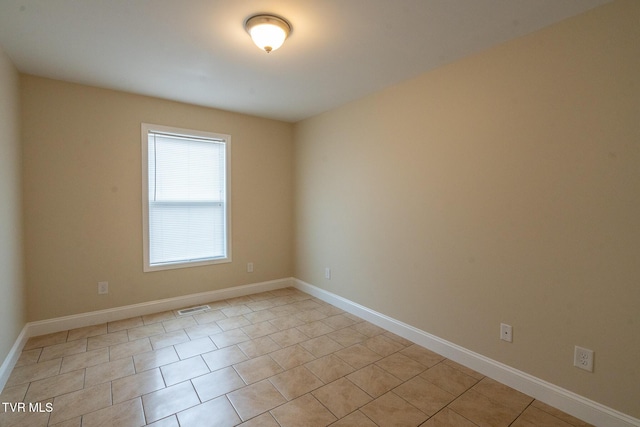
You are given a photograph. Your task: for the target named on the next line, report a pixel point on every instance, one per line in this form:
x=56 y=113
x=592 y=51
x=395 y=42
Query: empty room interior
x=426 y=213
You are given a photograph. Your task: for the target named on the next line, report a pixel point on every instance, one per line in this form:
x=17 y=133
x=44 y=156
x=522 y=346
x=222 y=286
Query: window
x=186 y=216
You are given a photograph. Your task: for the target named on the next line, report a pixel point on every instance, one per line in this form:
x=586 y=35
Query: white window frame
x=146 y=128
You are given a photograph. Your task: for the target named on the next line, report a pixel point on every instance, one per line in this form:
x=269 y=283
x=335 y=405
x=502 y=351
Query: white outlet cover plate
x=103 y=288
x=506 y=332
x=583 y=358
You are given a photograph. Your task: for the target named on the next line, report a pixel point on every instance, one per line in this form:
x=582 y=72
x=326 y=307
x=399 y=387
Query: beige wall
x=82 y=198
x=12 y=296
x=501 y=188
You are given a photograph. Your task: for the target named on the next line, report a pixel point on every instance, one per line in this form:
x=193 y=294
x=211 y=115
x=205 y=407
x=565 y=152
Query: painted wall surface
x=12 y=295
x=501 y=188
x=82 y=198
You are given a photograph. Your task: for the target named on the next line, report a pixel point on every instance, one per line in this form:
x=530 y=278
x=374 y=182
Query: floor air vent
x=193 y=310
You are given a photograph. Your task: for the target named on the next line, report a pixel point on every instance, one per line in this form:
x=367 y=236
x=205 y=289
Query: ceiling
x=197 y=51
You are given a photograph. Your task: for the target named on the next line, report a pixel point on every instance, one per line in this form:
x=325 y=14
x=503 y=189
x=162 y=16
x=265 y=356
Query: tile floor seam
x=522 y=412
x=406 y=401
x=568 y=421
x=230 y=404
x=368 y=417
x=237 y=373
x=356 y=385
x=446 y=407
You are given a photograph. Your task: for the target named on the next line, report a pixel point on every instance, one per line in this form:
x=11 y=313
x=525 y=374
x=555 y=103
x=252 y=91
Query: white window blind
x=186 y=198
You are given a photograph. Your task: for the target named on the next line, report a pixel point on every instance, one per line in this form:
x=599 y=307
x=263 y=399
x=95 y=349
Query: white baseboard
x=49 y=326
x=12 y=357
x=118 y=313
x=565 y=400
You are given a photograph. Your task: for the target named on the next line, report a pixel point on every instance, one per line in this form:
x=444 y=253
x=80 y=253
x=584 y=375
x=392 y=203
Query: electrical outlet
x=583 y=358
x=103 y=288
x=506 y=332
x=327 y=273
x=249 y=267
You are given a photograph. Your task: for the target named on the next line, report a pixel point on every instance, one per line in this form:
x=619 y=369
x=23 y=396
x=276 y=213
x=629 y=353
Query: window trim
x=145 y=129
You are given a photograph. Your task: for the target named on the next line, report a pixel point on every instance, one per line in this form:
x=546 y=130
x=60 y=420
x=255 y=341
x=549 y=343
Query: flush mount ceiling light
x=267 y=31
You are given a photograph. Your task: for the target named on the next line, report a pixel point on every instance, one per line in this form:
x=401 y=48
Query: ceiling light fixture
x=267 y=31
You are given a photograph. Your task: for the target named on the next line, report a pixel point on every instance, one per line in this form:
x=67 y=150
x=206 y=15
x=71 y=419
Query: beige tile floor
x=279 y=358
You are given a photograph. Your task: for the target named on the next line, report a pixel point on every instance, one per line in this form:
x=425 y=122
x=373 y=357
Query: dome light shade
x=267 y=31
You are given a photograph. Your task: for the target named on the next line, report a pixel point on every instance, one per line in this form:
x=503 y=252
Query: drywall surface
x=12 y=294
x=83 y=207
x=504 y=187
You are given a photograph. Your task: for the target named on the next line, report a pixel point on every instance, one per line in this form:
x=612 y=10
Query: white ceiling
x=197 y=51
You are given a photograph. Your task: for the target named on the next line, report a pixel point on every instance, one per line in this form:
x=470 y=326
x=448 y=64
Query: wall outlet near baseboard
x=103 y=288
x=506 y=332
x=583 y=358
x=327 y=273
x=249 y=267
